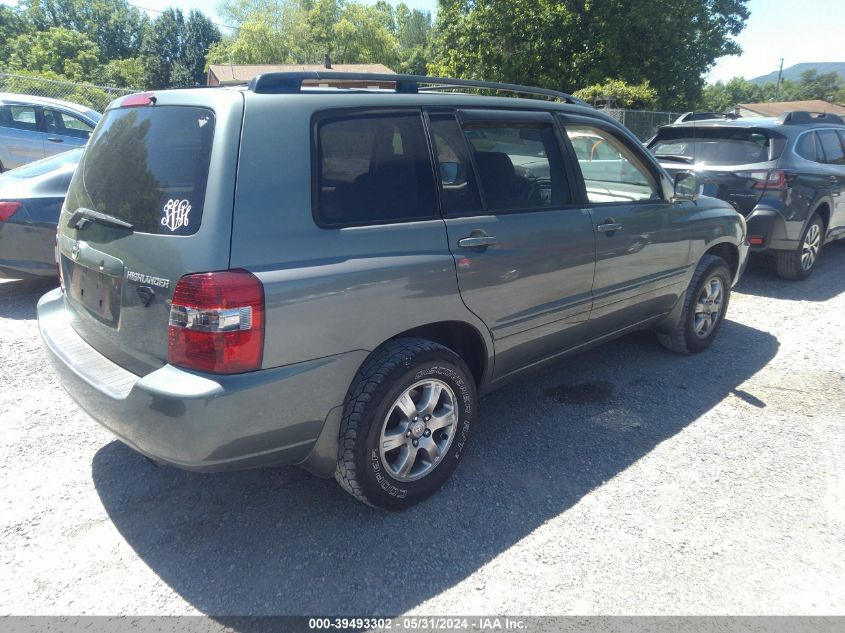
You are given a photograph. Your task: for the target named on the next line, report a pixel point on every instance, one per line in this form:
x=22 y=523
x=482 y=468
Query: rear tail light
x=768 y=179
x=755 y=240
x=8 y=209
x=217 y=322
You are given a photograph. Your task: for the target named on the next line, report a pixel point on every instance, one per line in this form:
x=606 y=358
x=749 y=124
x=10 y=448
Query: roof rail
x=802 y=117
x=291 y=83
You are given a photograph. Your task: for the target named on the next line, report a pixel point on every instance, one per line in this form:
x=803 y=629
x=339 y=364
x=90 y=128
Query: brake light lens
x=8 y=209
x=769 y=179
x=217 y=322
x=138 y=99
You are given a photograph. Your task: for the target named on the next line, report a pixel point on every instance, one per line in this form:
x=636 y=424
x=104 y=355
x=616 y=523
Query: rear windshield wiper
x=680 y=158
x=82 y=215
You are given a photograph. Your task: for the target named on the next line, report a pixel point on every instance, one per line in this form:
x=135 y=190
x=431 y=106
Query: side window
x=18 y=117
x=373 y=169
x=809 y=148
x=612 y=172
x=65 y=124
x=519 y=166
x=457 y=178
x=833 y=153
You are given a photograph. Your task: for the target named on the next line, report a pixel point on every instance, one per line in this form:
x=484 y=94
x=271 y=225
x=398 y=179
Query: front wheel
x=798 y=264
x=705 y=305
x=406 y=423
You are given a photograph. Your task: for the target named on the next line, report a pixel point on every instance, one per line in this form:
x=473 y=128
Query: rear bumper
x=199 y=421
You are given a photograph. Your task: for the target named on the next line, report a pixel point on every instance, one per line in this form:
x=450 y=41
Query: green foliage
x=122 y=73
x=567 y=45
x=720 y=96
x=59 y=51
x=304 y=31
x=113 y=25
x=174 y=49
x=617 y=93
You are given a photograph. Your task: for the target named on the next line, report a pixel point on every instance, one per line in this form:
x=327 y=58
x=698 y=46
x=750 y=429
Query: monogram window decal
x=176 y=214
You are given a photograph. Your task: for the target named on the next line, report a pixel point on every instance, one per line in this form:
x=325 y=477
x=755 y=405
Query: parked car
x=786 y=175
x=32 y=128
x=31 y=199
x=330 y=277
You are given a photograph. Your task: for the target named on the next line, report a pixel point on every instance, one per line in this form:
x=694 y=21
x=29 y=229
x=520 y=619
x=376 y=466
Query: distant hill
x=793 y=73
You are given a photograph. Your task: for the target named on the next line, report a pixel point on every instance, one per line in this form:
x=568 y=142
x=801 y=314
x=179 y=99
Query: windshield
x=41 y=167
x=718 y=146
x=149 y=167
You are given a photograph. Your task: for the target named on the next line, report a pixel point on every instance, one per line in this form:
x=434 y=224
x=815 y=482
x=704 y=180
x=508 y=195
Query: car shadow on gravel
x=279 y=541
x=19 y=297
x=826 y=282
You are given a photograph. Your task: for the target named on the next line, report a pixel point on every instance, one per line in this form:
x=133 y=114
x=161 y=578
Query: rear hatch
x=150 y=201
x=733 y=163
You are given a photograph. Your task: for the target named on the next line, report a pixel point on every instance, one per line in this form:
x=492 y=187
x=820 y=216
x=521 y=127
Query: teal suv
x=291 y=273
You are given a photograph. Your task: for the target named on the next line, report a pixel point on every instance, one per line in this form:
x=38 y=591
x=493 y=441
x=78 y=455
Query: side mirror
x=686 y=186
x=450 y=173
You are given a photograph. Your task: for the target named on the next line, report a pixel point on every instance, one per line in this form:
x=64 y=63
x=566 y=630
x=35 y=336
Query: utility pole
x=777 y=86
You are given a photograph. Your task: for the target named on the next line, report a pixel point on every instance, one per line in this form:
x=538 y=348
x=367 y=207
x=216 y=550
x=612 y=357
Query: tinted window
x=65 y=124
x=809 y=148
x=18 y=117
x=373 y=169
x=519 y=166
x=457 y=178
x=833 y=153
x=718 y=145
x=148 y=166
x=612 y=173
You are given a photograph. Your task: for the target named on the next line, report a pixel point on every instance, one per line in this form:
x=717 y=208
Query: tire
x=378 y=438
x=710 y=289
x=798 y=264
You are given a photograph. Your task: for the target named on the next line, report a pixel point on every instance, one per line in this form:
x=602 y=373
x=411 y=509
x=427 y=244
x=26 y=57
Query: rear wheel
x=406 y=423
x=705 y=305
x=798 y=264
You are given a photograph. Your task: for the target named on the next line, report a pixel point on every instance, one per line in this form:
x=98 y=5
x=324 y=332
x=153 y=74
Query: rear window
x=148 y=166
x=718 y=145
x=833 y=152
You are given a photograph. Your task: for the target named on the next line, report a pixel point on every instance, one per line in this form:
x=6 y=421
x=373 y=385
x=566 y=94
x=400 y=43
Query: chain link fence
x=94 y=97
x=643 y=123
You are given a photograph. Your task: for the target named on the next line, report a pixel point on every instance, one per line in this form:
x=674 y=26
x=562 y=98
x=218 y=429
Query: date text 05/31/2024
x=419 y=624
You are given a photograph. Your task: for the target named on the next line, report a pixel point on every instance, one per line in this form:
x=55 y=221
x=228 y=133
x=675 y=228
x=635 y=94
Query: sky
x=796 y=30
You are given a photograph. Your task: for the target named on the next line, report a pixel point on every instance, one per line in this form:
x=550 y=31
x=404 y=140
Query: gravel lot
x=625 y=481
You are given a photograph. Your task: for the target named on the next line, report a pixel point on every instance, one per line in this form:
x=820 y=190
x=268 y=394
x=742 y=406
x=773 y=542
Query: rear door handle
x=609 y=227
x=476 y=241
x=54 y=139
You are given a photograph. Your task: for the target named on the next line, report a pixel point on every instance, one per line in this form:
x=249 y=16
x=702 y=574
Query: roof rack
x=802 y=117
x=291 y=83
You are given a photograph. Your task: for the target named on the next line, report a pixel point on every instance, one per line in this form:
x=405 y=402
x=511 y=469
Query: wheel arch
x=823 y=210
x=460 y=337
x=727 y=251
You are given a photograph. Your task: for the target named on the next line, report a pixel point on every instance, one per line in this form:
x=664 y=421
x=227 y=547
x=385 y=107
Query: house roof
x=242 y=73
x=776 y=108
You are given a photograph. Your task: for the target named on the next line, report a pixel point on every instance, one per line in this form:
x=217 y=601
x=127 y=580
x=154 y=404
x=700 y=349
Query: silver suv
x=330 y=277
x=32 y=128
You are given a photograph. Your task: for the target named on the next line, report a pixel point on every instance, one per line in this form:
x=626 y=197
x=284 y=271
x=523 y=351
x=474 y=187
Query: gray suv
x=288 y=274
x=32 y=128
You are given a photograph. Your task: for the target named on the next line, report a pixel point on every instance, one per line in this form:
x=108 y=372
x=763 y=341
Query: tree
x=12 y=24
x=623 y=95
x=721 y=97
x=113 y=25
x=303 y=31
x=174 y=49
x=566 y=44
x=56 y=52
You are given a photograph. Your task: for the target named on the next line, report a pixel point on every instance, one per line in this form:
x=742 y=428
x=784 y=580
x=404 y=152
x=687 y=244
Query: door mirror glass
x=450 y=173
x=686 y=186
